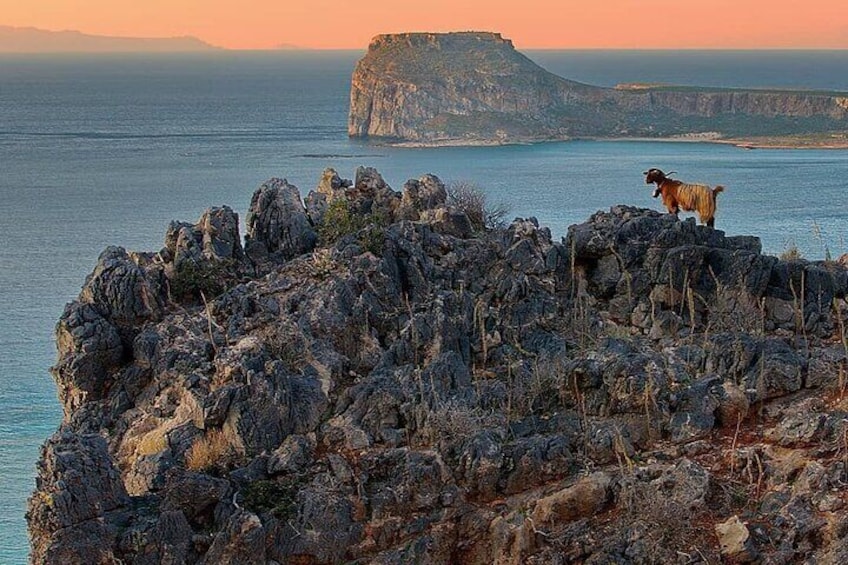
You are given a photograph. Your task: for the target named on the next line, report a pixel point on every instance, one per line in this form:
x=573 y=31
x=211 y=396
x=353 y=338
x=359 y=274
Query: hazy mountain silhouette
x=34 y=40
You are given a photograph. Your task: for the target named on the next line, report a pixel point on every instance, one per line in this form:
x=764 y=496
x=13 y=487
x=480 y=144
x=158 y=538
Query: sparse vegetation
x=191 y=279
x=373 y=237
x=153 y=442
x=471 y=199
x=277 y=497
x=790 y=252
x=452 y=420
x=209 y=452
x=340 y=220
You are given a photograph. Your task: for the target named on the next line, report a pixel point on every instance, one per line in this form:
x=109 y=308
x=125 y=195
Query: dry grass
x=209 y=451
x=152 y=442
x=790 y=252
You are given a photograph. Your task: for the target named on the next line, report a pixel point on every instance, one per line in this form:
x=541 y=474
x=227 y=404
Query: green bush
x=276 y=497
x=191 y=278
x=372 y=239
x=339 y=220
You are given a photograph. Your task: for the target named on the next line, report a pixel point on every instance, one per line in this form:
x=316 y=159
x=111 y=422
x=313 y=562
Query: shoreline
x=742 y=143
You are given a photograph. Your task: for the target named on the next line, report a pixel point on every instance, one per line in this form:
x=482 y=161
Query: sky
x=531 y=24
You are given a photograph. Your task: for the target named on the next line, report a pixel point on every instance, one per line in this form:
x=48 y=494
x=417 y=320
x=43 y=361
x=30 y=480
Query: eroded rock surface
x=410 y=391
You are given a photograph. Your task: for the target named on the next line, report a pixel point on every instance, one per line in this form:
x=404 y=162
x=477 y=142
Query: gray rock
x=89 y=348
x=214 y=237
x=412 y=403
x=293 y=456
x=426 y=193
x=694 y=417
x=372 y=195
x=76 y=487
x=194 y=495
x=242 y=540
x=123 y=289
x=331 y=187
x=169 y=541
x=447 y=221
x=278 y=228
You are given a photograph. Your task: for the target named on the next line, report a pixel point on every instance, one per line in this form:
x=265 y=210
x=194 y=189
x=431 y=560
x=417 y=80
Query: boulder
x=426 y=193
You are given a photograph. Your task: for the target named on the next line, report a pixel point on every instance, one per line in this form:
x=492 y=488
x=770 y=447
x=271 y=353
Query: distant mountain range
x=33 y=40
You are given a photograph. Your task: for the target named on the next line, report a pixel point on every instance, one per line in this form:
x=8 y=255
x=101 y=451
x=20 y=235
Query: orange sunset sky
x=327 y=24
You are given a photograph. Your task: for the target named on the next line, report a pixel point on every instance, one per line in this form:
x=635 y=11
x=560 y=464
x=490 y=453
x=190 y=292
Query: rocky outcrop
x=644 y=391
x=278 y=228
x=475 y=87
x=76 y=512
x=214 y=238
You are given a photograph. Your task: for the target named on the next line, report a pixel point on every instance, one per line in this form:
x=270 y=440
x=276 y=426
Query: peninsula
x=475 y=88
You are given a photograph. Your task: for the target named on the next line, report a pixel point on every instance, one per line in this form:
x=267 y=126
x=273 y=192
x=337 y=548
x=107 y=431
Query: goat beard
x=656 y=192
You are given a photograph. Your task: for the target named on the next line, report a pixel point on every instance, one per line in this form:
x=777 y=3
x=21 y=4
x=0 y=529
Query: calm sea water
x=106 y=150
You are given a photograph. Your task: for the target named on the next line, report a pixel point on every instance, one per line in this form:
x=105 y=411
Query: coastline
x=777 y=142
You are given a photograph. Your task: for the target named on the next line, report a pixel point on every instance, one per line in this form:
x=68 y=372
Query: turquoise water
x=106 y=150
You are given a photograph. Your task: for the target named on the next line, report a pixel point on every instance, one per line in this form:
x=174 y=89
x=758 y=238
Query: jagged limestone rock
x=448 y=396
x=214 y=237
x=277 y=225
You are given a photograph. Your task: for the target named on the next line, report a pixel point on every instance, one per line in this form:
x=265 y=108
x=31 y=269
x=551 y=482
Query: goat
x=677 y=195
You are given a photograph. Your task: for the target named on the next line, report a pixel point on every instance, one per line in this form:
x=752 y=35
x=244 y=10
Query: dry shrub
x=454 y=420
x=672 y=526
x=535 y=389
x=470 y=199
x=790 y=252
x=210 y=451
x=152 y=442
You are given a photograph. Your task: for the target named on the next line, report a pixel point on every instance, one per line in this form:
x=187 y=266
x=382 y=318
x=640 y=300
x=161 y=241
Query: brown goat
x=678 y=196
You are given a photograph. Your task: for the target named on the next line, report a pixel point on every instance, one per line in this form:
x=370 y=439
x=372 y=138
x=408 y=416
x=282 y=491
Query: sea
x=106 y=150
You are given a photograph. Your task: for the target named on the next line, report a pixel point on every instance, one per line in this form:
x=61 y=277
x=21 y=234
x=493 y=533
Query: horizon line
x=284 y=47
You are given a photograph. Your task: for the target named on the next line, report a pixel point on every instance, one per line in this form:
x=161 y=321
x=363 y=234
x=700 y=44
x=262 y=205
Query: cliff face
x=421 y=86
x=371 y=380
x=477 y=87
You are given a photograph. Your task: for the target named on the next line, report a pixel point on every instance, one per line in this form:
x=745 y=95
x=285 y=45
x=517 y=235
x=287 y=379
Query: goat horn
x=671 y=173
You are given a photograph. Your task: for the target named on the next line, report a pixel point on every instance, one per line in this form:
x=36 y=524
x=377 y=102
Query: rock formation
x=475 y=87
x=645 y=391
